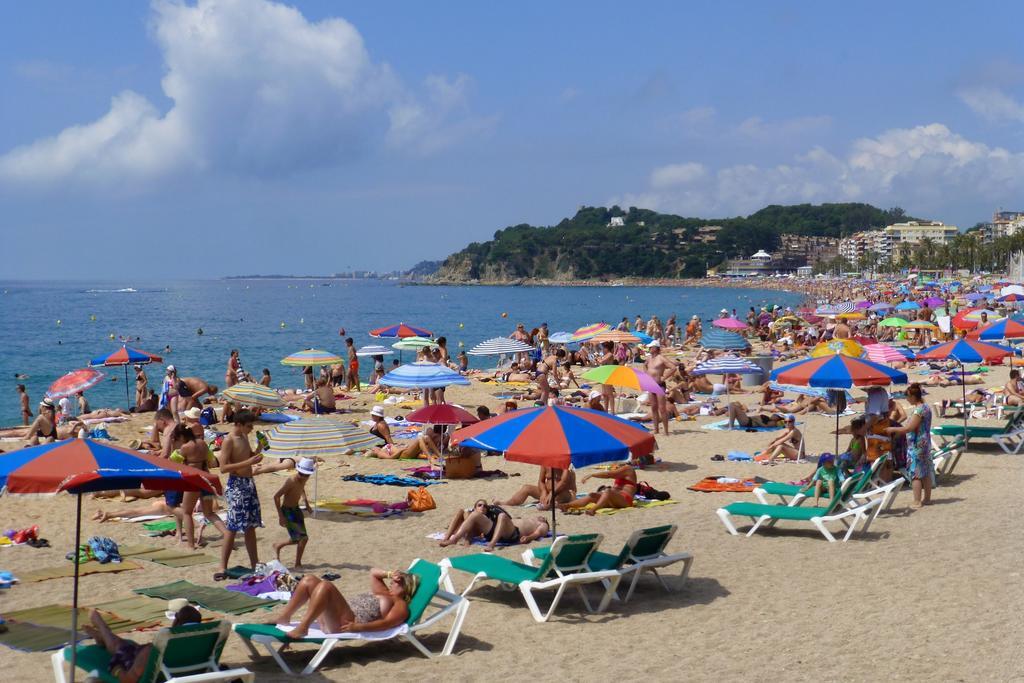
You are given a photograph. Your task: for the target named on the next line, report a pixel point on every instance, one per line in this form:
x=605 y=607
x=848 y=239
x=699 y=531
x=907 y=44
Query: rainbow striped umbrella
x=85 y=466
x=75 y=382
x=587 y=331
x=252 y=394
x=401 y=330
x=126 y=356
x=311 y=357
x=623 y=376
x=619 y=337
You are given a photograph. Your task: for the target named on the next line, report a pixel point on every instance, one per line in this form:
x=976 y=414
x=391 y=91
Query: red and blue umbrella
x=838 y=372
x=558 y=436
x=83 y=466
x=126 y=356
x=1007 y=328
x=74 y=382
x=967 y=351
x=401 y=330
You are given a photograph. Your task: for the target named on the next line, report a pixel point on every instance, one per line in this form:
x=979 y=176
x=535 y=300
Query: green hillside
x=649 y=244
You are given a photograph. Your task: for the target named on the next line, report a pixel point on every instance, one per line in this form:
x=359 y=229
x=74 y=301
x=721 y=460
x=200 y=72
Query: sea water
x=47 y=329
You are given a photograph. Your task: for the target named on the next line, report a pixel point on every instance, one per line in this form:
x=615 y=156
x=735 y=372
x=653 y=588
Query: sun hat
x=306 y=466
x=654 y=344
x=46 y=402
x=174 y=606
x=193 y=413
x=724 y=310
x=595 y=394
x=378 y=411
x=171 y=368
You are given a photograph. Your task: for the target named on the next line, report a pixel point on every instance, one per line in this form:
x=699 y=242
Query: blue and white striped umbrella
x=561 y=338
x=423 y=375
x=498 y=346
x=808 y=391
x=717 y=338
x=726 y=365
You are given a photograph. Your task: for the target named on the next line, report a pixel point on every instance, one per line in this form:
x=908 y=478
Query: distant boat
x=617 y=284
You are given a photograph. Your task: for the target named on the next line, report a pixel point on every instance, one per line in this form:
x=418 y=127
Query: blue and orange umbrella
x=401 y=330
x=84 y=466
x=967 y=351
x=124 y=357
x=1007 y=328
x=557 y=437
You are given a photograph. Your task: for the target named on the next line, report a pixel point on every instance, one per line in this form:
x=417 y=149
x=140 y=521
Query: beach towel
x=59 y=616
x=363 y=507
x=723 y=426
x=68 y=570
x=208 y=597
x=32 y=638
x=712 y=485
x=388 y=480
x=439 y=536
x=638 y=504
x=166 y=556
x=315 y=634
x=139 y=611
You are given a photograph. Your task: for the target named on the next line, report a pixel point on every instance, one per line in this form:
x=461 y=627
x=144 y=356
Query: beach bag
x=208 y=417
x=645 y=490
x=420 y=500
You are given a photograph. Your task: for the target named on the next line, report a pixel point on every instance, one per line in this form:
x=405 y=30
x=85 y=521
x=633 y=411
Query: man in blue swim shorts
x=243 y=504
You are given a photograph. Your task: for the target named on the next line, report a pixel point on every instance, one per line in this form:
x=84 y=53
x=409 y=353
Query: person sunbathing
x=128 y=659
x=788 y=445
x=808 y=404
x=492 y=524
x=738 y=415
x=384 y=607
x=426 y=445
x=565 y=489
x=618 y=495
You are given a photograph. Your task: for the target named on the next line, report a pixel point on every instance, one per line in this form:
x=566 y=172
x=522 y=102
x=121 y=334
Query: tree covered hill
x=647 y=243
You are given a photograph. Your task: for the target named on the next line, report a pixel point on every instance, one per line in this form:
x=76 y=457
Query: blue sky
x=240 y=136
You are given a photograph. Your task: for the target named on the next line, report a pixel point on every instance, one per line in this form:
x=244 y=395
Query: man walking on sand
x=352 y=376
x=658 y=367
x=243 y=513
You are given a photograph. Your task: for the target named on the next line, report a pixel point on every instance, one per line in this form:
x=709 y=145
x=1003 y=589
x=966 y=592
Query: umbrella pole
x=74 y=598
x=316 y=481
x=553 y=535
x=837 y=427
x=963 y=387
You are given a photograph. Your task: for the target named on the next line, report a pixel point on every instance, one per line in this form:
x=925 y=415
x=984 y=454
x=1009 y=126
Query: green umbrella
x=893 y=322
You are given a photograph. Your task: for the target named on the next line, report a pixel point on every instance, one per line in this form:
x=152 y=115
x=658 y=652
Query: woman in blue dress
x=918 y=429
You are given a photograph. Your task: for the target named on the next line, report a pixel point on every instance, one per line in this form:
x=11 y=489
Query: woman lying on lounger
x=738 y=415
x=493 y=524
x=384 y=607
x=618 y=495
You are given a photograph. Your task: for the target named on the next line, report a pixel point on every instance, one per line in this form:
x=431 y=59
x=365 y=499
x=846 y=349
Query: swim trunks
x=243 y=504
x=173 y=498
x=294 y=523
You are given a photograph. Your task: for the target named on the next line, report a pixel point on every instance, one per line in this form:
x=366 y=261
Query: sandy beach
x=925 y=593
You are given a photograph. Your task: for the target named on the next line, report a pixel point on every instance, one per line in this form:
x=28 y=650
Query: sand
x=925 y=594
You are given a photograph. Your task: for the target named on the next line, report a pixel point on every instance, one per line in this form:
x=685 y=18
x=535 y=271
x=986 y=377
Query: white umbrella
x=375 y=350
x=500 y=345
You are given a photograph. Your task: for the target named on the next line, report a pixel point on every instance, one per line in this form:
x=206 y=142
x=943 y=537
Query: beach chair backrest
x=430 y=577
x=192 y=647
x=574 y=551
x=847 y=488
x=647 y=543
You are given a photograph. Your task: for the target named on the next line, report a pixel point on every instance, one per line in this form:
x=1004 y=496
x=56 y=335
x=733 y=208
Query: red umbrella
x=124 y=357
x=74 y=382
x=83 y=466
x=960 y=321
x=442 y=414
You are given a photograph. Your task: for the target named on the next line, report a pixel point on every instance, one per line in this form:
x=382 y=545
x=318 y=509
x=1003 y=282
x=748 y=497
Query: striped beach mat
x=208 y=597
x=166 y=556
x=67 y=570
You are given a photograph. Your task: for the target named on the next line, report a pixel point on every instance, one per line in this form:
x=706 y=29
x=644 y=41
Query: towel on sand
x=711 y=485
x=68 y=570
x=208 y=597
x=637 y=504
x=723 y=426
x=168 y=557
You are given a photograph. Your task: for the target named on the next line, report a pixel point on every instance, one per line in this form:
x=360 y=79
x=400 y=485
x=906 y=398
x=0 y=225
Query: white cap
x=306 y=466
x=724 y=310
x=595 y=394
x=171 y=368
x=378 y=411
x=193 y=413
x=655 y=344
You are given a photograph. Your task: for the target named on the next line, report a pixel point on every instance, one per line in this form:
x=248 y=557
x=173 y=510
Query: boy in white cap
x=289 y=514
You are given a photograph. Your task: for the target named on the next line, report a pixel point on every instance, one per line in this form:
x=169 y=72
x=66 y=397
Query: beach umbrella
x=311 y=357
x=726 y=365
x=253 y=394
x=643 y=337
x=974 y=296
x=1008 y=328
x=617 y=337
x=561 y=338
x=414 y=344
x=808 y=391
x=880 y=306
x=557 y=437
x=861 y=305
x=723 y=340
x=921 y=325
x=498 y=346
x=975 y=315
x=1011 y=298
x=587 y=331
x=401 y=330
x=74 y=382
x=1012 y=289
x=442 y=414
x=422 y=375
x=847 y=347
x=854 y=315
x=124 y=357
x=966 y=351
x=883 y=353
x=893 y=322
x=838 y=372
x=729 y=324
x=623 y=376
x=786 y=320
x=374 y=350
x=85 y=466
x=934 y=301
x=907 y=306
x=960 y=321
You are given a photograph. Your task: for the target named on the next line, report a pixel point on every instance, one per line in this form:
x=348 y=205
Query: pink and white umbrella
x=883 y=353
x=730 y=324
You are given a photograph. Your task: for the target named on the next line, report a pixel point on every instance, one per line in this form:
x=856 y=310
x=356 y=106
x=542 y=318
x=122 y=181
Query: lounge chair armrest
x=580 y=577
x=451 y=601
x=225 y=675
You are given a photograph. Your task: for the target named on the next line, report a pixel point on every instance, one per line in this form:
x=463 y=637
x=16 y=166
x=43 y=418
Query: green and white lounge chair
x=1009 y=437
x=946 y=457
x=184 y=654
x=273 y=638
x=644 y=551
x=868 y=488
x=564 y=566
x=818 y=516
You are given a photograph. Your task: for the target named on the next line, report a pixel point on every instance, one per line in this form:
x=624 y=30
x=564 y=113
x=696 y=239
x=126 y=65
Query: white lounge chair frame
x=859 y=514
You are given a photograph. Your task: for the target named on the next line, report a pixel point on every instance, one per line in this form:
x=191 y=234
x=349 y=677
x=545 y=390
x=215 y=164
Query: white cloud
x=256 y=89
x=923 y=166
x=992 y=104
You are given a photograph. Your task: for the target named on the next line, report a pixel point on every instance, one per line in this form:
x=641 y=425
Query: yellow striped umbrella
x=921 y=325
x=845 y=347
x=586 y=332
x=252 y=394
x=616 y=336
x=311 y=357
